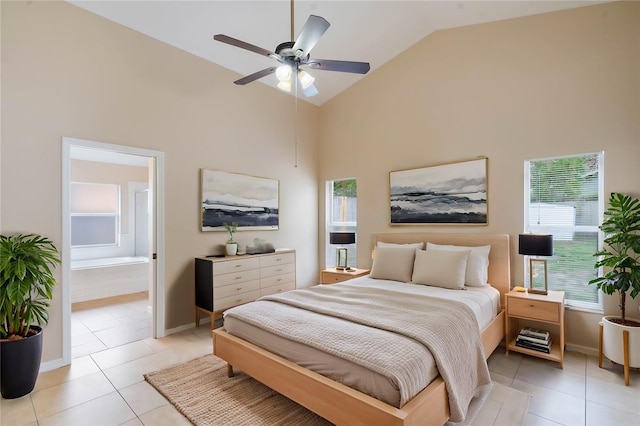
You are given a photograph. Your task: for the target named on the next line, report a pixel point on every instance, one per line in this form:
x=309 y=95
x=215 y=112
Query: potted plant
x=621 y=259
x=26 y=287
x=232 y=246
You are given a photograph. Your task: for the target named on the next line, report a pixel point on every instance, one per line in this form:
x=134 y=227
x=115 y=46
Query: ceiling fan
x=293 y=55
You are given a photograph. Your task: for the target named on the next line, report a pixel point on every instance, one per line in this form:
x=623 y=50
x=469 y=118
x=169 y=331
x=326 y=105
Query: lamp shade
x=342 y=237
x=535 y=244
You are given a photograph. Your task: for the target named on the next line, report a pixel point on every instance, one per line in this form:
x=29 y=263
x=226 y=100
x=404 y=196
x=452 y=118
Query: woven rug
x=202 y=392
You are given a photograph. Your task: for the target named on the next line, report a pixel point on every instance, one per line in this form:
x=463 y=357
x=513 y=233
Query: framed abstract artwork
x=250 y=201
x=454 y=193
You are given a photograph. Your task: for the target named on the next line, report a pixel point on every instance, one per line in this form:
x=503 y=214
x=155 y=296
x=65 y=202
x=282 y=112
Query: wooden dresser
x=223 y=282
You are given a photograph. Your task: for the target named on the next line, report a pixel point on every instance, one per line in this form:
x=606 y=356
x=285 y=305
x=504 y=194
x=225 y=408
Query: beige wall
x=553 y=84
x=548 y=85
x=67 y=72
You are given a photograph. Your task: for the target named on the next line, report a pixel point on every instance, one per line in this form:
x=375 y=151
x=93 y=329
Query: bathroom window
x=95 y=214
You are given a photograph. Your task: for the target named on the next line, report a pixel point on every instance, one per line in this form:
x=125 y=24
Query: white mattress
x=483 y=301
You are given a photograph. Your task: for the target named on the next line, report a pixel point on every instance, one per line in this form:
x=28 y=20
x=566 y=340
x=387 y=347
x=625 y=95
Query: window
x=341 y=216
x=95 y=214
x=564 y=197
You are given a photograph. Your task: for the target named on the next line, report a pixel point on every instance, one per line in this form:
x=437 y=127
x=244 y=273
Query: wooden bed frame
x=343 y=405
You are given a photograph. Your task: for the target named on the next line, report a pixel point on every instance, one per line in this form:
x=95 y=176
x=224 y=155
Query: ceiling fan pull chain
x=294 y=79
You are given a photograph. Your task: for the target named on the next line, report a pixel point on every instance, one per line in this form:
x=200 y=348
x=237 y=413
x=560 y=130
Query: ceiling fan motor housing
x=285 y=50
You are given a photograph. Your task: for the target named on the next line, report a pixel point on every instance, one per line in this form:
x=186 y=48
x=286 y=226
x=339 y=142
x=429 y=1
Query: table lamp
x=342 y=238
x=536 y=245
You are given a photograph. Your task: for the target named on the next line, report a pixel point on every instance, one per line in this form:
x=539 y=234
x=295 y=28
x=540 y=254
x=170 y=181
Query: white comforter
x=483 y=301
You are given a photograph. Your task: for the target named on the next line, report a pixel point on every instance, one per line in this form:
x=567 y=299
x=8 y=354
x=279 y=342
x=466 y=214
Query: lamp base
x=536 y=291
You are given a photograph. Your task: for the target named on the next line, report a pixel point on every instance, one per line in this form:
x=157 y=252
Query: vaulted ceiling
x=365 y=31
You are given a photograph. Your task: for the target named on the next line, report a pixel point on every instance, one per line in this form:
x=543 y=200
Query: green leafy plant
x=231 y=229
x=620 y=256
x=26 y=282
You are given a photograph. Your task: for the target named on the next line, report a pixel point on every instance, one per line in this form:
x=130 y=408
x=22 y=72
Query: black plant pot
x=19 y=364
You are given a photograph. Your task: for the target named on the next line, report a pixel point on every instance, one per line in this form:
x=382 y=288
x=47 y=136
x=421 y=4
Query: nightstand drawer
x=534 y=309
x=329 y=278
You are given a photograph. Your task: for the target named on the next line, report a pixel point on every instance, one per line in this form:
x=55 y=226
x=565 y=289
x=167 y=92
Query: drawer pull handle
x=532 y=306
x=239 y=288
x=239 y=300
x=238 y=266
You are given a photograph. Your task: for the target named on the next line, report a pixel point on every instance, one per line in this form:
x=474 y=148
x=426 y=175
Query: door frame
x=157 y=188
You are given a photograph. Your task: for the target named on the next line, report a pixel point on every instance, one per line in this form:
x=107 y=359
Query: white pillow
x=477 y=274
x=393 y=264
x=394 y=245
x=440 y=268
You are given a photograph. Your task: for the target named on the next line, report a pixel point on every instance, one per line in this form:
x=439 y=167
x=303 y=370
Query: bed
x=322 y=395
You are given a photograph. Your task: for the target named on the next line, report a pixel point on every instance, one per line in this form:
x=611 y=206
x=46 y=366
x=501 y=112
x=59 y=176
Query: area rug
x=202 y=392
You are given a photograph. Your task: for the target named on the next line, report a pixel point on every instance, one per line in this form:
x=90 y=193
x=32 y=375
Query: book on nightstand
x=534 y=339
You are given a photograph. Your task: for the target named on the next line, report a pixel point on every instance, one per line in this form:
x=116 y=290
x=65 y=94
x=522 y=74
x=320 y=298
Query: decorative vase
x=612 y=345
x=20 y=364
x=232 y=249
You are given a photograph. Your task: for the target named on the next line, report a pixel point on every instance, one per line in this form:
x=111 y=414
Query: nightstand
x=545 y=312
x=333 y=275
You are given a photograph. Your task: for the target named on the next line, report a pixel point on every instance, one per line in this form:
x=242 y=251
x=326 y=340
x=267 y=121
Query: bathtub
x=107 y=277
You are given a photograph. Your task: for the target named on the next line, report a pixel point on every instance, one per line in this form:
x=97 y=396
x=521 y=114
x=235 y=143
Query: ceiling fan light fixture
x=283 y=73
x=285 y=86
x=305 y=78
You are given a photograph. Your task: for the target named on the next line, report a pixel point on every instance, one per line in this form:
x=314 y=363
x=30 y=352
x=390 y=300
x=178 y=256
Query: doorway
x=140 y=237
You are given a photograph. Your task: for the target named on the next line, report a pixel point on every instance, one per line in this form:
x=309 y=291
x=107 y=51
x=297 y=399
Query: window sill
x=584 y=309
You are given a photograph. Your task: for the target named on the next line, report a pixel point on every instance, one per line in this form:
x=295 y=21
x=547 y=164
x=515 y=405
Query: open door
x=148 y=207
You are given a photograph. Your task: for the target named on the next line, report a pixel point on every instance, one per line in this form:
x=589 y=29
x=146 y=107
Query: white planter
x=612 y=345
x=232 y=249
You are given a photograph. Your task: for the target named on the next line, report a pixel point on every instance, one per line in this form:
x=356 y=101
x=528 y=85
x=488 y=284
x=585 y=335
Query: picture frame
x=250 y=201
x=452 y=193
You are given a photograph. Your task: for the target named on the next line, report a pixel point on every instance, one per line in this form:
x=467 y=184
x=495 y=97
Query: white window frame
x=343 y=225
x=576 y=304
x=116 y=215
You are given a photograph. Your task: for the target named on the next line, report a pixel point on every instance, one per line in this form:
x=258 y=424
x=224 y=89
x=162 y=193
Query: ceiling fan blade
x=256 y=75
x=310 y=34
x=342 y=66
x=310 y=91
x=243 y=45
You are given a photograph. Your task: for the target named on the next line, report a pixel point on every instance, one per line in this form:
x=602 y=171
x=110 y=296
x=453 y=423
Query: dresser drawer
x=281 y=288
x=236 y=289
x=277 y=259
x=277 y=279
x=277 y=270
x=236 y=277
x=534 y=309
x=236 y=265
x=228 y=302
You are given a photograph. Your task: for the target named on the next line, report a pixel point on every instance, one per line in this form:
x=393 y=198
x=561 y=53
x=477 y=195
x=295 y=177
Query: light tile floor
x=104 y=385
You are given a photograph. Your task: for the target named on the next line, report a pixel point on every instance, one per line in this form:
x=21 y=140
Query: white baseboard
x=51 y=365
x=581 y=349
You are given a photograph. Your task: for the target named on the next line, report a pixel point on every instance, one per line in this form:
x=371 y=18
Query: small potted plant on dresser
x=232 y=246
x=26 y=287
x=620 y=335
